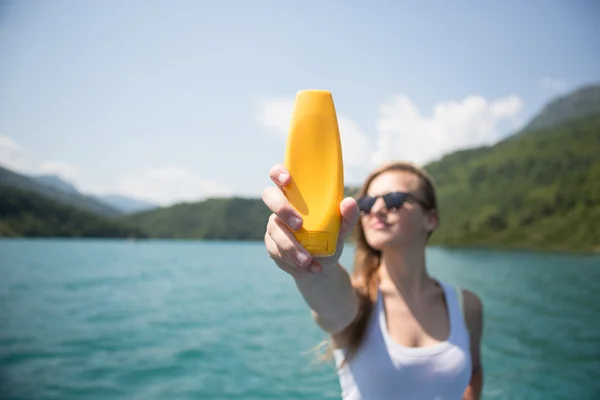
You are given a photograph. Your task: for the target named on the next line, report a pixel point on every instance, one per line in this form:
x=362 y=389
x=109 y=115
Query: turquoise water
x=208 y=320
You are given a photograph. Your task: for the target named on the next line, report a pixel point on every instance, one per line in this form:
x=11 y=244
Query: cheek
x=410 y=220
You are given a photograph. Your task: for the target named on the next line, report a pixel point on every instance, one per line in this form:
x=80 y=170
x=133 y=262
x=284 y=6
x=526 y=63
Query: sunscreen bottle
x=313 y=157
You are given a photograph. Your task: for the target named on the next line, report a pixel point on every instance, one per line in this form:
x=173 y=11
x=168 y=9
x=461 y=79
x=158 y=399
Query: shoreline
x=548 y=250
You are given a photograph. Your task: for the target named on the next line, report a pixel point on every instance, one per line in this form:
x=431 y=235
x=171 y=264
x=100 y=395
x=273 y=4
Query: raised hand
x=280 y=242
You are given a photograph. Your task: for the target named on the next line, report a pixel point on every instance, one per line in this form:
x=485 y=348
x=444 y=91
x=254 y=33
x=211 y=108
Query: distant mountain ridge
x=26 y=213
x=118 y=204
x=580 y=103
x=125 y=204
x=57 y=183
x=47 y=187
x=537 y=191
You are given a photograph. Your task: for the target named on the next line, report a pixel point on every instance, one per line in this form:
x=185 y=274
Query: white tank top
x=384 y=370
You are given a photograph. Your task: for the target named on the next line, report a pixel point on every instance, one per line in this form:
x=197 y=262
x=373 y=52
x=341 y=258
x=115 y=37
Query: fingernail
x=315 y=268
x=282 y=177
x=295 y=222
x=301 y=257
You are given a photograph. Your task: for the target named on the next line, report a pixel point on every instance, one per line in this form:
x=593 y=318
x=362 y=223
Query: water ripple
x=188 y=320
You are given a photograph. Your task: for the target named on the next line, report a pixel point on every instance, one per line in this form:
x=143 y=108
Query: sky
x=175 y=101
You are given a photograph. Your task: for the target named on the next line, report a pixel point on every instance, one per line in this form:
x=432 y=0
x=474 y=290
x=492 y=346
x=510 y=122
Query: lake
x=110 y=319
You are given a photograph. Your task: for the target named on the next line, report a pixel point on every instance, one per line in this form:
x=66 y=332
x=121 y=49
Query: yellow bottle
x=313 y=157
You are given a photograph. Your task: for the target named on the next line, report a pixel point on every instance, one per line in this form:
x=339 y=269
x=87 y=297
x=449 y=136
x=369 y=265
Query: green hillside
x=70 y=197
x=24 y=213
x=582 y=102
x=540 y=190
x=535 y=191
x=233 y=218
x=227 y=218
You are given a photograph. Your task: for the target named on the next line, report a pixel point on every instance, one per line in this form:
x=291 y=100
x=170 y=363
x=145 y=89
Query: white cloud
x=356 y=146
x=169 y=184
x=12 y=155
x=275 y=114
x=162 y=185
x=64 y=170
x=404 y=133
x=553 y=85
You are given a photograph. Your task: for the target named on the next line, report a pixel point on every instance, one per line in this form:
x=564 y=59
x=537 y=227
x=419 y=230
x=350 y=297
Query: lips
x=377 y=225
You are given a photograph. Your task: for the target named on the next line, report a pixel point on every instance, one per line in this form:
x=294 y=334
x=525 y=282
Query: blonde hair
x=367 y=259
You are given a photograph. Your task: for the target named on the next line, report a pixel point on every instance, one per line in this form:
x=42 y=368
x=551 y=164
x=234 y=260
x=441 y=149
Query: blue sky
x=174 y=101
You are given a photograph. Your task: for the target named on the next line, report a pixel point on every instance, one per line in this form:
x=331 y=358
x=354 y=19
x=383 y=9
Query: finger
x=279 y=175
x=350 y=214
x=290 y=249
x=275 y=254
x=272 y=248
x=276 y=201
x=315 y=266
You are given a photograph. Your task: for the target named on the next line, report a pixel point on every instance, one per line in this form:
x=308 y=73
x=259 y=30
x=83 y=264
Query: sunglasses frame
x=386 y=198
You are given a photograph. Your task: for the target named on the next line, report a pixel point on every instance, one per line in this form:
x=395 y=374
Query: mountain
x=61 y=190
x=126 y=205
x=25 y=213
x=580 y=103
x=233 y=218
x=123 y=204
x=56 y=189
x=538 y=190
x=57 y=183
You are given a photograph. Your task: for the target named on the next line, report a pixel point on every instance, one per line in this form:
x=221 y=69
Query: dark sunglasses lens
x=365 y=203
x=394 y=200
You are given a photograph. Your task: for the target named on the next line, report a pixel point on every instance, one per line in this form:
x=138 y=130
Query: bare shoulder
x=473 y=312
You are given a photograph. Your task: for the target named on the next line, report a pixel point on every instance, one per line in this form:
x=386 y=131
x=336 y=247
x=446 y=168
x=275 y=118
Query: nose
x=378 y=207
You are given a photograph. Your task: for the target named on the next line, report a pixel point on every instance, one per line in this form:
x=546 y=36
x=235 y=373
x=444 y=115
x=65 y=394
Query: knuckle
x=272 y=225
x=288 y=247
x=272 y=250
x=280 y=209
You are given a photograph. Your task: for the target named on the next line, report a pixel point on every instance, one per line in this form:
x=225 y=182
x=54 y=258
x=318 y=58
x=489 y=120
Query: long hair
x=367 y=259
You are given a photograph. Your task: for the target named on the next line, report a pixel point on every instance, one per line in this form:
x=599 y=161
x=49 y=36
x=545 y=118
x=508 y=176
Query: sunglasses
x=393 y=201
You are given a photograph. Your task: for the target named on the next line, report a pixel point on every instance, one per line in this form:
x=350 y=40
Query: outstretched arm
x=474 y=320
x=324 y=284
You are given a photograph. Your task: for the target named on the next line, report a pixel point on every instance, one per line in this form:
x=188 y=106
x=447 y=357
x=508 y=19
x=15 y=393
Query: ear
x=431 y=220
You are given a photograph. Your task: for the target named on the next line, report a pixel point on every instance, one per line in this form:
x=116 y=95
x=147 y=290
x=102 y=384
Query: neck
x=404 y=270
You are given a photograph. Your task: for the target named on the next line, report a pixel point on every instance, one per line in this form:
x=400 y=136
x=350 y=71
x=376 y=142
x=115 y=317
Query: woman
x=397 y=333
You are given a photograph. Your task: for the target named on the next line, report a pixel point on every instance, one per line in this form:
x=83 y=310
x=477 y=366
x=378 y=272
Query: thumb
x=350 y=214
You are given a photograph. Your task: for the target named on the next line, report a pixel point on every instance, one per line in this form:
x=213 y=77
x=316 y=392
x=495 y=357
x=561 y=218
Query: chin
x=380 y=240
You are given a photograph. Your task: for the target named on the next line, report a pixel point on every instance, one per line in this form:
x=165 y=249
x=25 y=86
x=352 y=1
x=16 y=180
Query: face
x=408 y=224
